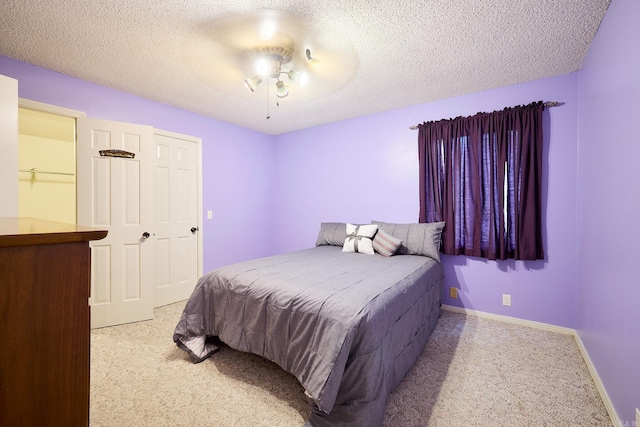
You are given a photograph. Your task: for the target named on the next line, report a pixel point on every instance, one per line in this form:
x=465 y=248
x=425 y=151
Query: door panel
x=101 y=275
x=177 y=205
x=116 y=193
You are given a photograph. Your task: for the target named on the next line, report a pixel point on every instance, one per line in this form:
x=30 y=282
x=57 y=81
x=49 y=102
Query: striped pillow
x=385 y=244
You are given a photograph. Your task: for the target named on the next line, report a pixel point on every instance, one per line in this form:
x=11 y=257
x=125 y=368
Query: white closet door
x=177 y=220
x=116 y=193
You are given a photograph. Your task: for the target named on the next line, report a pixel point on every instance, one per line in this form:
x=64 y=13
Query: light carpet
x=473 y=372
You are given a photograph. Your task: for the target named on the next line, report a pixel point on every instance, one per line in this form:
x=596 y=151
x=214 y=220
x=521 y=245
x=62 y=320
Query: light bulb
x=262 y=67
x=300 y=77
x=303 y=79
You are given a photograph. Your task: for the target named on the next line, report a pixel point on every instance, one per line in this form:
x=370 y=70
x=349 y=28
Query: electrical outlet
x=453 y=292
x=506 y=299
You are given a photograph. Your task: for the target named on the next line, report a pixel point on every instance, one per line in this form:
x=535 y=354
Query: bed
x=347 y=325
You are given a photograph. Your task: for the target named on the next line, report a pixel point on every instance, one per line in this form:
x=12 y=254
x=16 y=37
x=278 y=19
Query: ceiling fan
x=246 y=55
x=269 y=64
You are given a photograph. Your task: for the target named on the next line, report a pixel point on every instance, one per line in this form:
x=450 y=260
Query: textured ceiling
x=374 y=55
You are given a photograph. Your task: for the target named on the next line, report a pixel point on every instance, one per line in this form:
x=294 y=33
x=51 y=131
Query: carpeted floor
x=473 y=372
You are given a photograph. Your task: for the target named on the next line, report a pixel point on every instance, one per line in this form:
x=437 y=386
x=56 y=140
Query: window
x=482 y=176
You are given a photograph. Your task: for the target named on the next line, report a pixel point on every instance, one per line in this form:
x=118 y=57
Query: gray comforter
x=348 y=326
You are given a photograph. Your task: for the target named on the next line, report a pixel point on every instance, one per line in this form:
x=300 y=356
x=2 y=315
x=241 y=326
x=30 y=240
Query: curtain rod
x=546 y=104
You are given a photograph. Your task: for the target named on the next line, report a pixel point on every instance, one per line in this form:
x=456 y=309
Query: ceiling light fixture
x=252 y=83
x=269 y=65
x=282 y=91
x=311 y=58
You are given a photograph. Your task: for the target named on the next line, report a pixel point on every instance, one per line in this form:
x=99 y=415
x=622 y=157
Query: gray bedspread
x=348 y=326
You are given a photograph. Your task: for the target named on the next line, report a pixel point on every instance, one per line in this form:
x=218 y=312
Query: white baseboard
x=599 y=385
x=521 y=322
x=552 y=328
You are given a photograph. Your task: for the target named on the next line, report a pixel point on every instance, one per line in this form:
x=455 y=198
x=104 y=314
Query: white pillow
x=359 y=238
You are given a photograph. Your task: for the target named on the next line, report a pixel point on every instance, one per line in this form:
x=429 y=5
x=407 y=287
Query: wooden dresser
x=45 y=272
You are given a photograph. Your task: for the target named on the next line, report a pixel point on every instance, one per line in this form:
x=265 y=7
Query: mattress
x=348 y=326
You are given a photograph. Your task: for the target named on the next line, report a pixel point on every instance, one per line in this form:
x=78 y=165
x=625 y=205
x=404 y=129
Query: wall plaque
x=117 y=153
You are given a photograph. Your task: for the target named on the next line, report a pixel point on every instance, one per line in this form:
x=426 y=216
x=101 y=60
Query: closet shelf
x=35 y=170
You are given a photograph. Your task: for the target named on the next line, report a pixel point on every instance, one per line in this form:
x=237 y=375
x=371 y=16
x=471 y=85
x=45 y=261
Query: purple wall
x=608 y=303
x=367 y=169
x=238 y=164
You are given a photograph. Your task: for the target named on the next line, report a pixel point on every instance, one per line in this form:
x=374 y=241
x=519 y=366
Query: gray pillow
x=332 y=233
x=417 y=238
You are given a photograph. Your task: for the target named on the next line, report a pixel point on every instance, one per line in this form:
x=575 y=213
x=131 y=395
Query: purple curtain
x=482 y=175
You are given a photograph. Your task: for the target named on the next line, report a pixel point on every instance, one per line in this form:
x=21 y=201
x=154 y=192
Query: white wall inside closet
x=47 y=165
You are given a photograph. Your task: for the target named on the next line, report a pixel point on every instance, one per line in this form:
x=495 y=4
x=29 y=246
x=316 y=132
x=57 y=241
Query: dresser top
x=34 y=231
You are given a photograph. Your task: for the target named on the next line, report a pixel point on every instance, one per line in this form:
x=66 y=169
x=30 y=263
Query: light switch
x=209 y=214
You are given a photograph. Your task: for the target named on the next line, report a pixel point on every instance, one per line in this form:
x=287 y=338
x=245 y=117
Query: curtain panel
x=482 y=175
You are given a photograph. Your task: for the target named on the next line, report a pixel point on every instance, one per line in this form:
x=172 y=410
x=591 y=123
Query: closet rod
x=546 y=104
x=34 y=170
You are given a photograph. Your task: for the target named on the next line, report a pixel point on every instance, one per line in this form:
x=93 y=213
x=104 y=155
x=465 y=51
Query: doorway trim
x=50 y=108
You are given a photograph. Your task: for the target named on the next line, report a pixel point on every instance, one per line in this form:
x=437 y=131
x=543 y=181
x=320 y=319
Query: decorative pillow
x=332 y=233
x=417 y=238
x=385 y=244
x=359 y=238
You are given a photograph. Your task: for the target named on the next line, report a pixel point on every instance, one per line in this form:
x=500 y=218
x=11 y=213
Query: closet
x=46 y=165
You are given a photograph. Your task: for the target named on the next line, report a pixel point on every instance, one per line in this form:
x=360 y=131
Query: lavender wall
x=608 y=299
x=367 y=169
x=238 y=164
